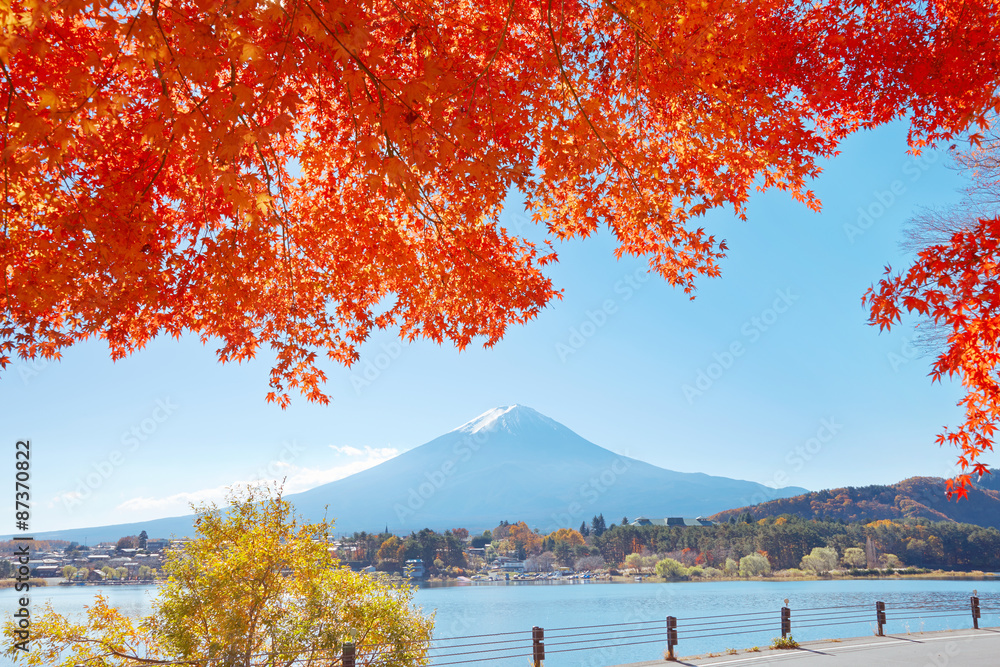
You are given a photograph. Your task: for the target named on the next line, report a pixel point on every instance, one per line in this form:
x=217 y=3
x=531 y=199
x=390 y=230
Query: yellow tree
x=254 y=588
x=523 y=537
x=571 y=537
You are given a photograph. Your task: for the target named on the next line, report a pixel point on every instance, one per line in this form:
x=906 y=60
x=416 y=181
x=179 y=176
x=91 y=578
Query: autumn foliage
x=954 y=286
x=295 y=174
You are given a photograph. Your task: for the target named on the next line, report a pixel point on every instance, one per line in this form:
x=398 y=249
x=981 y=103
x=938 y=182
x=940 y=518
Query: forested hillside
x=916 y=497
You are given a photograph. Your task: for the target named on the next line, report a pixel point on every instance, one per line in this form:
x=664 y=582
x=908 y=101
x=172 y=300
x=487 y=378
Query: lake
x=705 y=611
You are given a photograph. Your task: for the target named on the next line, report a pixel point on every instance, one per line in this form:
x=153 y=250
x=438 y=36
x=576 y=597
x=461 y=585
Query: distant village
x=669 y=548
x=510 y=549
x=131 y=559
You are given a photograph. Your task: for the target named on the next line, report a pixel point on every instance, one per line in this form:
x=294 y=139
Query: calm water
x=516 y=607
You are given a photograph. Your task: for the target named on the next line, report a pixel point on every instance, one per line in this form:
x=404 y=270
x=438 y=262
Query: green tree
x=480 y=541
x=820 y=560
x=143 y=538
x=891 y=560
x=854 y=557
x=254 y=588
x=668 y=568
x=634 y=561
x=754 y=565
x=564 y=554
x=68 y=571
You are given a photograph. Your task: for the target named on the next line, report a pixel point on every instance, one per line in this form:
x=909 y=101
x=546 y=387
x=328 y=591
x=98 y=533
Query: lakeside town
x=643 y=549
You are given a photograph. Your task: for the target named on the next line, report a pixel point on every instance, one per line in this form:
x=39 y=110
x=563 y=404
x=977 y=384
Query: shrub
x=754 y=565
x=668 y=568
x=854 y=558
x=784 y=642
x=821 y=560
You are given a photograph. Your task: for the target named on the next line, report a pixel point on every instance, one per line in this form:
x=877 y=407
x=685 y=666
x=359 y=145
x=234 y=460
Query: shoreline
x=438 y=582
x=937 y=575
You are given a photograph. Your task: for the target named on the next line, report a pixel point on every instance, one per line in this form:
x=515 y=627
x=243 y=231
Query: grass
x=784 y=642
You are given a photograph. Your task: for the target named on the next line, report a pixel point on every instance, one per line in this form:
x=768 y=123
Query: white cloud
x=296 y=479
x=348 y=450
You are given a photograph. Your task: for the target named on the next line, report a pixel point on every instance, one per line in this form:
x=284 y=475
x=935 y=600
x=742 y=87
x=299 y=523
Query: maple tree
x=296 y=174
x=953 y=285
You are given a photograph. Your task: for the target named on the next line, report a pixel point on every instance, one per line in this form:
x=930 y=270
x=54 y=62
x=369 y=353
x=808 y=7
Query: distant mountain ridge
x=911 y=498
x=509 y=463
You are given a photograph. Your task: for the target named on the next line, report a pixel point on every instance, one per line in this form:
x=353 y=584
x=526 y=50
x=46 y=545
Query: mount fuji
x=510 y=463
x=513 y=463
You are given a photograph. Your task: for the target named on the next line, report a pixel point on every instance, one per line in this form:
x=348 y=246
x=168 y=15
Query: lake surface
x=706 y=611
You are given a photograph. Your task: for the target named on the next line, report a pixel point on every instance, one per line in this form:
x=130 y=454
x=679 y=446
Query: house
x=673 y=521
x=47 y=571
x=513 y=566
x=414 y=569
x=158 y=544
x=508 y=564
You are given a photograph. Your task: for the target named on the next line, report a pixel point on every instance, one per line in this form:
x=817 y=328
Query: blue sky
x=771 y=374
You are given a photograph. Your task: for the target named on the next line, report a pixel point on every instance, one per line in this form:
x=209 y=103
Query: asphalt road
x=927 y=649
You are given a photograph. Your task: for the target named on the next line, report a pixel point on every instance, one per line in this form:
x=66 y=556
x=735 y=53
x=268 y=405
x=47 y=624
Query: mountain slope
x=510 y=463
x=912 y=497
x=513 y=464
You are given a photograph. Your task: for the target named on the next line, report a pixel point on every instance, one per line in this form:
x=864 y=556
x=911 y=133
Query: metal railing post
x=347 y=658
x=671 y=637
x=880 y=617
x=786 y=622
x=975 y=612
x=538 y=645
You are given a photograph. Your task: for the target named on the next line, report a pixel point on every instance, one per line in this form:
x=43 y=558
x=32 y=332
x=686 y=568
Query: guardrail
x=538 y=643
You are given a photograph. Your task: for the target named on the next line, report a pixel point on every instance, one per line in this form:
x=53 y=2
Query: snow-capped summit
x=510 y=418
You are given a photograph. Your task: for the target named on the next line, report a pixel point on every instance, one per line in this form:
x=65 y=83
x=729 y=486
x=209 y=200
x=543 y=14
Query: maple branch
x=579 y=104
x=379 y=84
x=156 y=174
x=284 y=47
x=638 y=29
x=496 y=52
x=6 y=162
